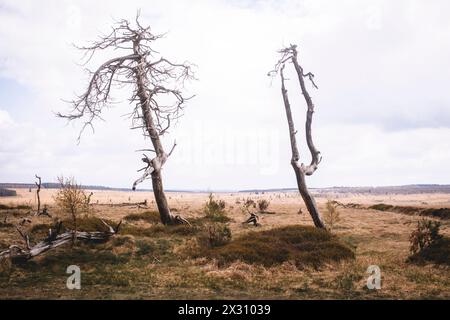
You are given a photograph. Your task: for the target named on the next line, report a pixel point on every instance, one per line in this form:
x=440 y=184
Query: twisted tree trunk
x=302 y=170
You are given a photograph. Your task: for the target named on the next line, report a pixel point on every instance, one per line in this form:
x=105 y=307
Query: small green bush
x=215 y=210
x=331 y=215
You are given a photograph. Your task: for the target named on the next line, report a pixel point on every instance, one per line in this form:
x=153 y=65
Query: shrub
x=71 y=199
x=427 y=244
x=424 y=236
x=263 y=205
x=215 y=209
x=216 y=235
x=331 y=215
x=249 y=206
x=214 y=206
x=249 y=203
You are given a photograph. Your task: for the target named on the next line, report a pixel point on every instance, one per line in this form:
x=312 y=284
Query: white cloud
x=383 y=112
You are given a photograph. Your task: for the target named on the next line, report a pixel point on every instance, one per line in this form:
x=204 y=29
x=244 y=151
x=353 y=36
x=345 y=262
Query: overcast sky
x=382 y=109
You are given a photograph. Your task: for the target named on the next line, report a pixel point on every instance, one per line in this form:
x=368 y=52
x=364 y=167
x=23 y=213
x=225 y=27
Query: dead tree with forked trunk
x=44 y=211
x=289 y=54
x=156 y=97
x=38 y=185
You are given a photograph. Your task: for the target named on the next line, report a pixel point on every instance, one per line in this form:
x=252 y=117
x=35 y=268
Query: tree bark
x=300 y=170
x=38 y=185
x=161 y=156
x=160 y=198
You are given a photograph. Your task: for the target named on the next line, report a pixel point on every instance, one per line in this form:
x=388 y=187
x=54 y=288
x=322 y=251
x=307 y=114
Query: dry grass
x=148 y=260
x=303 y=246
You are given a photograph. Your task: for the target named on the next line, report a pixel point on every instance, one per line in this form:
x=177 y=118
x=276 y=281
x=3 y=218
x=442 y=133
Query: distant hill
x=53 y=185
x=407 y=189
x=7 y=193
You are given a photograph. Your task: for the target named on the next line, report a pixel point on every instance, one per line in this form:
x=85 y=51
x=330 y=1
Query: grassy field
x=149 y=261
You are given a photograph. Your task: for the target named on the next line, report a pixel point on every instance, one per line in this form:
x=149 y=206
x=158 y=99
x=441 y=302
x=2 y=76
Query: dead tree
x=38 y=185
x=156 y=97
x=20 y=254
x=301 y=170
x=88 y=198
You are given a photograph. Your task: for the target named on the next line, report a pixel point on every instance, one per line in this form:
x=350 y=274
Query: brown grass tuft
x=303 y=245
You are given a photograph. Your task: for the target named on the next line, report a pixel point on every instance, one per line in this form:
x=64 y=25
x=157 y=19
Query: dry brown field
x=120 y=271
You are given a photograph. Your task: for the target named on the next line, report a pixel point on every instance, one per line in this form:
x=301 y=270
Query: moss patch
x=303 y=245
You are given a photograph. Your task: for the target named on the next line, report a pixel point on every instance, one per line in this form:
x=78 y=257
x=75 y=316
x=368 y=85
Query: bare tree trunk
x=161 y=156
x=160 y=197
x=38 y=184
x=307 y=197
x=301 y=170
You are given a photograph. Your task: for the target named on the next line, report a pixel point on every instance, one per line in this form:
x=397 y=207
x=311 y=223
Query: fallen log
x=18 y=254
x=253 y=219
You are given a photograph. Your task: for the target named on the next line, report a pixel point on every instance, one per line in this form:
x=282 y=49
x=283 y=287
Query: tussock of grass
x=303 y=245
x=148 y=216
x=438 y=252
x=443 y=213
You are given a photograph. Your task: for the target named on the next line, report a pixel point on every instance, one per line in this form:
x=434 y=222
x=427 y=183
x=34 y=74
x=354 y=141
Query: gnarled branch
x=19 y=254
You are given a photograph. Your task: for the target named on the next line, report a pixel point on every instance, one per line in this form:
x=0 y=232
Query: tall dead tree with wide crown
x=301 y=170
x=156 y=85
